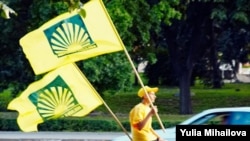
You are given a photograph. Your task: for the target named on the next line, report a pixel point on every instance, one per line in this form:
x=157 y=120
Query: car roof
x=228 y=109
x=216 y=110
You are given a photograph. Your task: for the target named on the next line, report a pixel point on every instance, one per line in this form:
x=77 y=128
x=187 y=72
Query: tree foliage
x=180 y=40
x=193 y=43
x=114 y=73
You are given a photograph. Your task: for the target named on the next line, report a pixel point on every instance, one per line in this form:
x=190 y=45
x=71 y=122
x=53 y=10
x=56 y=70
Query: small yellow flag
x=70 y=37
x=64 y=92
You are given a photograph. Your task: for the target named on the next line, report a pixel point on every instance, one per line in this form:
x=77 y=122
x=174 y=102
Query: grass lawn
x=231 y=95
x=235 y=94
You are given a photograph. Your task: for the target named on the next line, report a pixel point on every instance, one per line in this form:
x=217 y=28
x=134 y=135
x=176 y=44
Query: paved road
x=59 y=136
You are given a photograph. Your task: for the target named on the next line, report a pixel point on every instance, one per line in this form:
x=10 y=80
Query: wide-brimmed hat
x=141 y=92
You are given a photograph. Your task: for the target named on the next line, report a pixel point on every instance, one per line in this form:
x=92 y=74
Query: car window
x=203 y=120
x=212 y=119
x=240 y=118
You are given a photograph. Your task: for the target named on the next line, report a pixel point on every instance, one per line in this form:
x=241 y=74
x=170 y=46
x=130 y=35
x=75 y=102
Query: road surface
x=58 y=136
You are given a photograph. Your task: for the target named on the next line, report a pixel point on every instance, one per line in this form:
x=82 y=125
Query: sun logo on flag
x=55 y=100
x=69 y=36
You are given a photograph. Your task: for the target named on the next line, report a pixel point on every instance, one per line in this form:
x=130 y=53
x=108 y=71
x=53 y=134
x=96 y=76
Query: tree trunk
x=214 y=59
x=216 y=72
x=185 y=95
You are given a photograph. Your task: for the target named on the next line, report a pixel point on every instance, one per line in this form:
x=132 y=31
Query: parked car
x=227 y=116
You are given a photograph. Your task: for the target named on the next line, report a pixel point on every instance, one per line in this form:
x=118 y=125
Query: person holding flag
x=140 y=116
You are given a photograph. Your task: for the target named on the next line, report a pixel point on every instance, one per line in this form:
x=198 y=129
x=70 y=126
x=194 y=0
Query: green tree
x=232 y=21
x=33 y=14
x=206 y=27
x=188 y=40
x=13 y=73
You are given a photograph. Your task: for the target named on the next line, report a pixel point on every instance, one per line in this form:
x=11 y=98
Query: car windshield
x=209 y=119
x=224 y=118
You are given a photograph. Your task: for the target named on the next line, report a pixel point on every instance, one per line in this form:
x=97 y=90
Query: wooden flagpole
x=111 y=112
x=117 y=120
x=131 y=62
x=139 y=78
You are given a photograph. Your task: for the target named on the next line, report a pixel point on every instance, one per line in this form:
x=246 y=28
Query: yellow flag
x=64 y=92
x=71 y=37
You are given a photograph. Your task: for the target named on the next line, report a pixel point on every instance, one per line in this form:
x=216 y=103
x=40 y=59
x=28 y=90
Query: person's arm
x=142 y=123
x=153 y=131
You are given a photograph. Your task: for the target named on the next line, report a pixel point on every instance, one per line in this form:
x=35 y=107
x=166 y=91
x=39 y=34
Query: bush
x=5 y=98
x=236 y=94
x=8 y=125
x=76 y=125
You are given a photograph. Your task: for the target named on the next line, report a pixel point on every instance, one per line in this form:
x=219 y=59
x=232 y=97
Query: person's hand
x=154 y=110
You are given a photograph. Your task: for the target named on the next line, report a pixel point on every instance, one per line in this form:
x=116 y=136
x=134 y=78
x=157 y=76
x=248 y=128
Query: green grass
x=236 y=94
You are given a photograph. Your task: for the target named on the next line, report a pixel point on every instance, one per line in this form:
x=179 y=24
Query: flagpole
x=132 y=64
x=117 y=120
x=138 y=76
x=111 y=112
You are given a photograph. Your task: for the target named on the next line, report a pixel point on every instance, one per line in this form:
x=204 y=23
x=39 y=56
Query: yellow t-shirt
x=137 y=114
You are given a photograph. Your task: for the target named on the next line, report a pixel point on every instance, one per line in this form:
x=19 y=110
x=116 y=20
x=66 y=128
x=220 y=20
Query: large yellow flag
x=70 y=37
x=61 y=93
